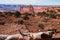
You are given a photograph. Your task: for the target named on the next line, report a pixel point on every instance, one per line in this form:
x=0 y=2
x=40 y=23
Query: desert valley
x=30 y=19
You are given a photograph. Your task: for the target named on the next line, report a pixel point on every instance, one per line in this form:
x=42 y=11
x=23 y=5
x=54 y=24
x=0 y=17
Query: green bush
x=17 y=14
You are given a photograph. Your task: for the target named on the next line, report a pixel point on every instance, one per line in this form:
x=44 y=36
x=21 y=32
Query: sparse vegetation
x=9 y=13
x=20 y=21
x=26 y=16
x=1 y=14
x=44 y=21
x=2 y=22
x=17 y=14
x=58 y=10
x=52 y=15
x=52 y=30
x=41 y=25
x=41 y=14
x=52 y=11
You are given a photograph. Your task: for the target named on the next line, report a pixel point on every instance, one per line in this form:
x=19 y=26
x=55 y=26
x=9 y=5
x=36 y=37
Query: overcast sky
x=31 y=2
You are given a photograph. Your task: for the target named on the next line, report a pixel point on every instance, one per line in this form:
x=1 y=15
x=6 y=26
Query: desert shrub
x=52 y=30
x=26 y=13
x=17 y=14
x=58 y=15
x=58 y=10
x=52 y=11
x=41 y=25
x=8 y=13
x=45 y=19
x=47 y=10
x=2 y=22
x=39 y=13
x=52 y=15
x=20 y=21
x=1 y=14
x=30 y=14
x=42 y=14
x=26 y=16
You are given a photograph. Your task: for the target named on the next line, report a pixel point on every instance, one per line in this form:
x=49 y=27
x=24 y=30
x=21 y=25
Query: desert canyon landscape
x=31 y=19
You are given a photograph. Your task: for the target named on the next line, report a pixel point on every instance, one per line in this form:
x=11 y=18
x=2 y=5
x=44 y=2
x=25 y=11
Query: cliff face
x=28 y=9
x=36 y=9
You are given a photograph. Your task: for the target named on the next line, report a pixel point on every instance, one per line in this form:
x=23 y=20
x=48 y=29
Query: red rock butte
x=36 y=9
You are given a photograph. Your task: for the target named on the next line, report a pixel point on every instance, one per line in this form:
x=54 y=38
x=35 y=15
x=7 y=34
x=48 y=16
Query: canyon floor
x=34 y=24
x=9 y=24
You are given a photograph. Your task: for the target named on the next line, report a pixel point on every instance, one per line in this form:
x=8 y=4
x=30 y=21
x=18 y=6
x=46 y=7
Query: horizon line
x=29 y=4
